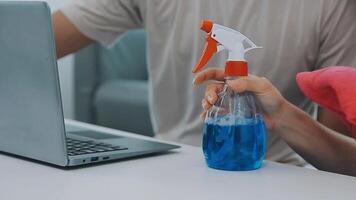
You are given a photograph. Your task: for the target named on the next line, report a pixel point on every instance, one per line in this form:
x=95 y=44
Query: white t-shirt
x=296 y=35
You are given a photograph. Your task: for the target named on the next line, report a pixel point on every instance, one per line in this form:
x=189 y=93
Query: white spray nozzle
x=220 y=38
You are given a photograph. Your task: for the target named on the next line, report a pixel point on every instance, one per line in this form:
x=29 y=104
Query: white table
x=178 y=175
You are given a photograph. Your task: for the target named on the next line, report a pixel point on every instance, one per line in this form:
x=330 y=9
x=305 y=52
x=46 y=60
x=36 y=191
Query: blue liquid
x=235 y=148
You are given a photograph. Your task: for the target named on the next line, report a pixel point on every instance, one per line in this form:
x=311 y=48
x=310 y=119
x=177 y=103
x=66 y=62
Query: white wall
x=66 y=70
x=66 y=76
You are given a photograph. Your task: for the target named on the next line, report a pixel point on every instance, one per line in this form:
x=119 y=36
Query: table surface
x=180 y=174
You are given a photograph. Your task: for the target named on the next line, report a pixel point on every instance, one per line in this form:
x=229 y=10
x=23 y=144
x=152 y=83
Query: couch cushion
x=123 y=104
x=126 y=59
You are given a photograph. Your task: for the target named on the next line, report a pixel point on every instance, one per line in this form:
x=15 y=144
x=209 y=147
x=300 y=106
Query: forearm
x=322 y=147
x=68 y=38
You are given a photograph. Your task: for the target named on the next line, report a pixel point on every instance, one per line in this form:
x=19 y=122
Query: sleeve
x=337 y=37
x=104 y=20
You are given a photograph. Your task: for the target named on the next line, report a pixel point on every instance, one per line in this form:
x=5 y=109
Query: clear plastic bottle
x=234 y=132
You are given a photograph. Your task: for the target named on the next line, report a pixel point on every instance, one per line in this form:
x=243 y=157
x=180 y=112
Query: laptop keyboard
x=79 y=147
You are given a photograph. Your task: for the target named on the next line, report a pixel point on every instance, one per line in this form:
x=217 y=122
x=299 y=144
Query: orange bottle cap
x=236 y=68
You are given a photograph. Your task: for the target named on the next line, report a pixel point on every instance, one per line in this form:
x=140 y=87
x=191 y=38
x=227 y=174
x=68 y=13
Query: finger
x=268 y=121
x=258 y=85
x=211 y=93
x=205 y=104
x=209 y=74
x=202 y=115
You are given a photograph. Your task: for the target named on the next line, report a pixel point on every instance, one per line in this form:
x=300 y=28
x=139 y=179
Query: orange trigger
x=210 y=49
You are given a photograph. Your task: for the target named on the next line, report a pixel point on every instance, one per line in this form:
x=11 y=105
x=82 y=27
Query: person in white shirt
x=297 y=35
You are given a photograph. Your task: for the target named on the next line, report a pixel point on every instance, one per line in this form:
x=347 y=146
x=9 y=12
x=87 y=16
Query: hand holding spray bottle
x=234 y=130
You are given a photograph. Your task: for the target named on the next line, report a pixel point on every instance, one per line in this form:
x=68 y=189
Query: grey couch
x=111 y=85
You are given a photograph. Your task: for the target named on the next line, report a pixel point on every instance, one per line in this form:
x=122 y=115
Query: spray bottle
x=234 y=130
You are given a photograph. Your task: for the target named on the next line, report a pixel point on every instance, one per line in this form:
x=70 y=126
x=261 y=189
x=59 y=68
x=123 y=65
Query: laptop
x=31 y=114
